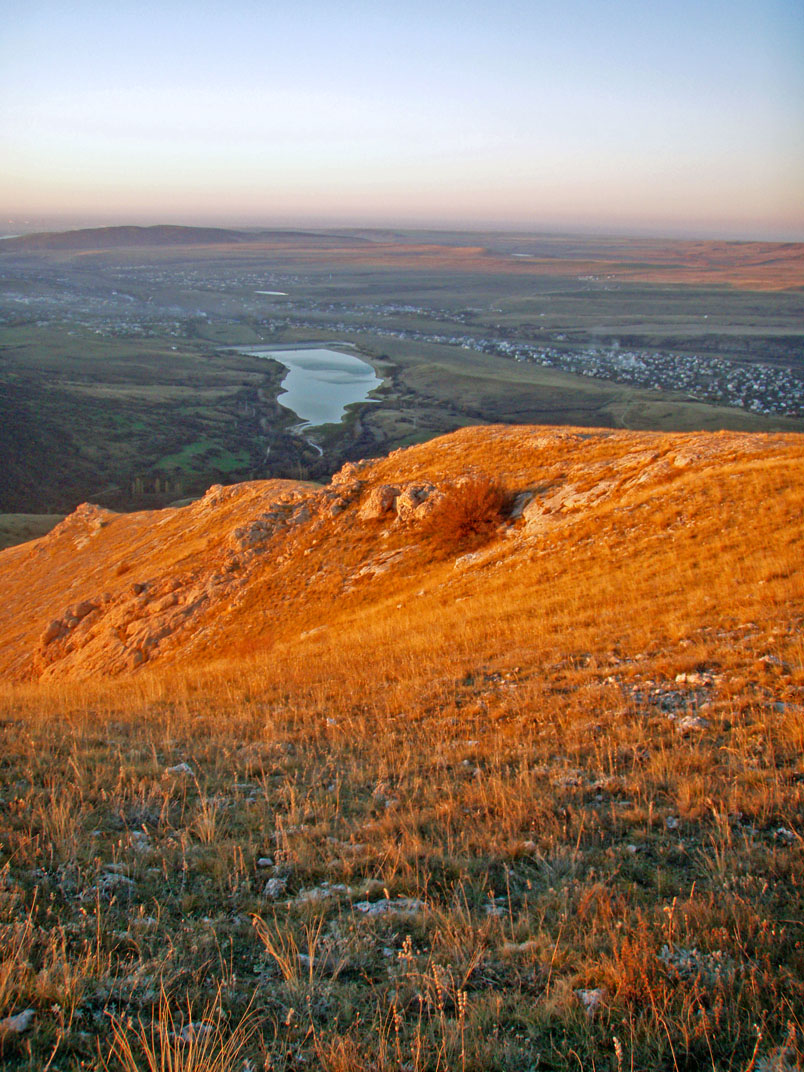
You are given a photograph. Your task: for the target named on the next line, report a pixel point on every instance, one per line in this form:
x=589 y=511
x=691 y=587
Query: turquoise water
x=320 y=384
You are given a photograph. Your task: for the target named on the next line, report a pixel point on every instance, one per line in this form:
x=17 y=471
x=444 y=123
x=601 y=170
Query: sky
x=666 y=117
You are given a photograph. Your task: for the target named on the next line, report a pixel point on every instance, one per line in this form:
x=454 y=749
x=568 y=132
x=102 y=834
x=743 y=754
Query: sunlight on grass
x=539 y=808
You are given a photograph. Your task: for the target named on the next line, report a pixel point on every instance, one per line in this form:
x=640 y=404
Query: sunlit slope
x=606 y=542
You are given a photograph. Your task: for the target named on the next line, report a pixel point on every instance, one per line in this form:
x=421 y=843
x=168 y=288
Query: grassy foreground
x=551 y=820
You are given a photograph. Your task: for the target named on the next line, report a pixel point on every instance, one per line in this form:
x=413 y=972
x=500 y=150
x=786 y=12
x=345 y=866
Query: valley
x=127 y=361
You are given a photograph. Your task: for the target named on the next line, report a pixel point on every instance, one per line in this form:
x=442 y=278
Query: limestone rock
x=523 y=499
x=349 y=471
x=56 y=629
x=274 y=888
x=16 y=1025
x=691 y=724
x=273 y=562
x=181 y=769
x=81 y=610
x=379 y=502
x=386 y=906
x=410 y=502
x=592 y=1000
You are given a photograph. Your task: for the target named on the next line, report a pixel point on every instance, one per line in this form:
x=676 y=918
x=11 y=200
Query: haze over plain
x=635 y=117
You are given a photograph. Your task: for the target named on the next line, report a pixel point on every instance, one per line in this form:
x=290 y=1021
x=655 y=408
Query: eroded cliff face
x=251 y=565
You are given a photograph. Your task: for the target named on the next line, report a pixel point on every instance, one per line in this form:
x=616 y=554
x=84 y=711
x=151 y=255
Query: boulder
x=348 y=472
x=81 y=610
x=55 y=630
x=379 y=502
x=410 y=501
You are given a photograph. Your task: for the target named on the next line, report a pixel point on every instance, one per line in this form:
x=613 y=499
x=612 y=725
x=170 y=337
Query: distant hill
x=91 y=238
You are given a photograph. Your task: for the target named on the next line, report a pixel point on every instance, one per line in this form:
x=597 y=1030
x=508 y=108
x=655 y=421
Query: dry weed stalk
x=174 y=1042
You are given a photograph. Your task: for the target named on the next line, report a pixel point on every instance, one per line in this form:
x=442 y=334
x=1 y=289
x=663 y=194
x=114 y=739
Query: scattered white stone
x=592 y=999
x=779 y=1059
x=400 y=906
x=140 y=842
x=322 y=893
x=265 y=861
x=192 y=1032
x=785 y=835
x=572 y=780
x=147 y=923
x=181 y=768
x=691 y=724
x=347 y=848
x=15 y=1025
x=274 y=888
x=792 y=708
x=671 y=822
x=111 y=883
x=515 y=948
x=693 y=963
x=693 y=678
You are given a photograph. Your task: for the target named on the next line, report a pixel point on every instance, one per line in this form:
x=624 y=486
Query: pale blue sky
x=663 y=117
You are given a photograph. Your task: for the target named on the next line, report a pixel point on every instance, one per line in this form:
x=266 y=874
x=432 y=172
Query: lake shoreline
x=321 y=382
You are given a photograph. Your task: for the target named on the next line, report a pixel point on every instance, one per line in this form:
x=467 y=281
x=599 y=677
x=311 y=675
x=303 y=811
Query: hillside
x=251 y=566
x=486 y=755
x=115 y=237
x=133 y=237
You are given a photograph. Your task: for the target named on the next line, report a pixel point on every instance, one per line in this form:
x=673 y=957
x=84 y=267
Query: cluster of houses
x=760 y=388
x=767 y=389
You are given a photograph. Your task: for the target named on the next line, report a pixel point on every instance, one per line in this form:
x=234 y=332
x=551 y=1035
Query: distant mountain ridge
x=119 y=237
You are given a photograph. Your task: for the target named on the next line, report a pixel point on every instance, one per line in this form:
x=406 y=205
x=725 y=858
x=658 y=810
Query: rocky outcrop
x=415 y=502
x=246 y=564
x=379 y=502
x=86 y=521
x=405 y=504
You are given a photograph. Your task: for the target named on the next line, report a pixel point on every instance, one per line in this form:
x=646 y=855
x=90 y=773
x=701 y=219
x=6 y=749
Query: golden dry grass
x=476 y=790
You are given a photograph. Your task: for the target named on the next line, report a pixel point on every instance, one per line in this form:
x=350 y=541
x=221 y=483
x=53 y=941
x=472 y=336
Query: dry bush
x=469 y=512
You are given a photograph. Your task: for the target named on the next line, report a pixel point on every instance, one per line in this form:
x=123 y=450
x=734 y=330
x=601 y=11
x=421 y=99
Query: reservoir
x=320 y=384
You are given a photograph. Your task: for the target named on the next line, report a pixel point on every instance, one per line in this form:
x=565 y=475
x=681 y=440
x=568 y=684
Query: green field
x=118 y=384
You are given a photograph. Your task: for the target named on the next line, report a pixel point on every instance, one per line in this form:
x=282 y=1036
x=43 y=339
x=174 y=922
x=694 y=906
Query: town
x=147 y=300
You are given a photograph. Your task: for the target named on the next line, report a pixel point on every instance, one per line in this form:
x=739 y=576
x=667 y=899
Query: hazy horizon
x=682 y=122
x=33 y=224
